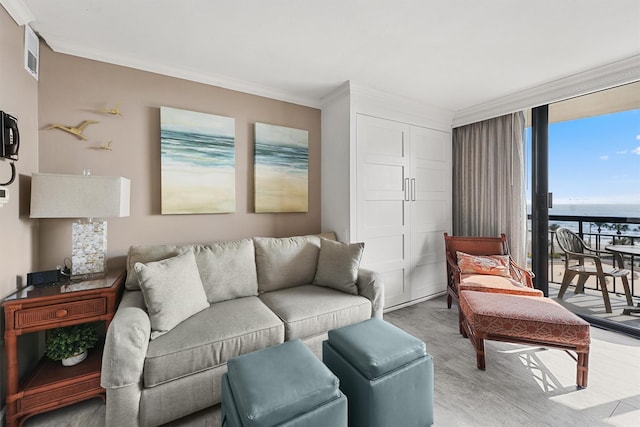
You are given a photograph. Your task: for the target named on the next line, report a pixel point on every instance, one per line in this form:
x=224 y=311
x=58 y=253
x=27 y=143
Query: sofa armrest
x=126 y=343
x=370 y=286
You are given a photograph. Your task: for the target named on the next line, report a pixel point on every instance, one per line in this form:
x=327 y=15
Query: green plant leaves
x=65 y=342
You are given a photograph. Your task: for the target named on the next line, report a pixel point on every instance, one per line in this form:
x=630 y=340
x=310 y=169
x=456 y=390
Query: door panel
x=383 y=218
x=381 y=214
x=396 y=290
x=430 y=209
x=386 y=255
x=403 y=207
x=428 y=273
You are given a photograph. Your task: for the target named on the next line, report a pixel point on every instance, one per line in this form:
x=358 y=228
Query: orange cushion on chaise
x=535 y=319
x=496 y=284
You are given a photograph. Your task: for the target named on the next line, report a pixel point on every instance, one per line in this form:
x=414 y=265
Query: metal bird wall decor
x=104 y=147
x=113 y=111
x=77 y=131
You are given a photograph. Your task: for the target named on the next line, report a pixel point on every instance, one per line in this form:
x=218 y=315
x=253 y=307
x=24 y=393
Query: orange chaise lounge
x=500 y=274
x=497 y=302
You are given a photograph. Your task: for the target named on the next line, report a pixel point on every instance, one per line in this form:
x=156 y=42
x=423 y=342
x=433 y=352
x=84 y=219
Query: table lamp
x=82 y=196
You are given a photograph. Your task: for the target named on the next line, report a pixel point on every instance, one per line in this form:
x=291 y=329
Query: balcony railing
x=597 y=232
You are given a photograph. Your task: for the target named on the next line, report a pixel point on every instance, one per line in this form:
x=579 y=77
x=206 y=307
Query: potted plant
x=71 y=344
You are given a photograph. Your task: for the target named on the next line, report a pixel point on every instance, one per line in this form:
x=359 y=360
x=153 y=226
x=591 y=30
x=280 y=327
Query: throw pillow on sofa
x=285 y=262
x=494 y=265
x=338 y=265
x=218 y=263
x=172 y=291
x=145 y=254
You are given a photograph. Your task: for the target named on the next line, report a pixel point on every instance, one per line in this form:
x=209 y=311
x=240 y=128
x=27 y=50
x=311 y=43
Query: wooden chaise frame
x=477 y=340
x=477 y=246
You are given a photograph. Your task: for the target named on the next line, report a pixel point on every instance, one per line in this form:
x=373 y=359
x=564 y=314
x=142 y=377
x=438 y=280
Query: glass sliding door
x=593 y=171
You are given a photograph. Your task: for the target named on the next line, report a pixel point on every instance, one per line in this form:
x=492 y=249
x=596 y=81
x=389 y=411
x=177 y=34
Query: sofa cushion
x=172 y=291
x=338 y=265
x=210 y=338
x=496 y=284
x=227 y=269
x=310 y=310
x=285 y=262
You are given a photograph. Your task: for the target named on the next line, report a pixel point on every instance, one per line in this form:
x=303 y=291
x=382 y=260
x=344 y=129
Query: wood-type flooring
x=522 y=386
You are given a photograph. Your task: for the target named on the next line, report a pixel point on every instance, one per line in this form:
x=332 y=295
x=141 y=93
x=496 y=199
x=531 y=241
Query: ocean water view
x=605 y=210
x=196 y=149
x=292 y=158
x=626 y=212
x=281 y=172
x=197 y=158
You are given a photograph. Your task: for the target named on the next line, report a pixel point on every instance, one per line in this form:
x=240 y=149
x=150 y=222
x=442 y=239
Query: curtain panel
x=489 y=182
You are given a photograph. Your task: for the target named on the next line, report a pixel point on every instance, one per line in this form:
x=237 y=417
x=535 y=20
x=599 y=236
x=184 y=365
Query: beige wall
x=73 y=89
x=18 y=96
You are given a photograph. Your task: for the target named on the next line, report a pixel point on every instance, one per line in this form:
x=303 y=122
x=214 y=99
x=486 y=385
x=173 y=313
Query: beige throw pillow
x=285 y=262
x=338 y=265
x=172 y=290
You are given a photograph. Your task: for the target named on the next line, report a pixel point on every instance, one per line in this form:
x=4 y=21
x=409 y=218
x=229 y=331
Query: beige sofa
x=259 y=293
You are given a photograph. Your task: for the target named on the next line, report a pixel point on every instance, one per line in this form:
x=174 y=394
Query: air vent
x=31 y=51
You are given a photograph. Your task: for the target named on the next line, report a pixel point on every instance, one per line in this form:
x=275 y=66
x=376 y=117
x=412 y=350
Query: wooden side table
x=51 y=385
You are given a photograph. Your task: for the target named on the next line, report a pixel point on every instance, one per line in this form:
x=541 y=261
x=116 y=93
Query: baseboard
x=412 y=302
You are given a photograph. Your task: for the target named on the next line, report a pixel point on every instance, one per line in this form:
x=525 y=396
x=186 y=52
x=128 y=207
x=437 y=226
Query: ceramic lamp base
x=88 y=248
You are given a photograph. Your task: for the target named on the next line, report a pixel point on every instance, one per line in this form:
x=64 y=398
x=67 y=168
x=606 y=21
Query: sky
x=193 y=121
x=595 y=160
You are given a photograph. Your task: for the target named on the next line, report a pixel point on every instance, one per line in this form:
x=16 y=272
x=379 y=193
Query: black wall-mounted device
x=44 y=278
x=9 y=142
x=10 y=138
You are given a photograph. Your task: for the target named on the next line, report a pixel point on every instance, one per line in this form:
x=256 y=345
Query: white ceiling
x=453 y=54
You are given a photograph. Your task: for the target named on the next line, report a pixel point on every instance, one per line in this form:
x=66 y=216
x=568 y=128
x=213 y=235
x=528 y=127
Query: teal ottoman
x=385 y=372
x=285 y=385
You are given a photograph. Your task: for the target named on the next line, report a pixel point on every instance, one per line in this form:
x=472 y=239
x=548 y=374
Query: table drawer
x=41 y=316
x=82 y=389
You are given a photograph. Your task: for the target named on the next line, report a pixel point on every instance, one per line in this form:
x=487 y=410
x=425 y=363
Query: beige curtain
x=488 y=181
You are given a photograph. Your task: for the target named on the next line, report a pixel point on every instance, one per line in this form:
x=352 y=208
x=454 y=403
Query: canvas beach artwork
x=197 y=162
x=281 y=169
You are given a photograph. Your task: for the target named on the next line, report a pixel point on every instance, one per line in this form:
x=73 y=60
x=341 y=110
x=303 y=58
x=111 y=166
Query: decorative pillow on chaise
x=495 y=265
x=172 y=290
x=338 y=265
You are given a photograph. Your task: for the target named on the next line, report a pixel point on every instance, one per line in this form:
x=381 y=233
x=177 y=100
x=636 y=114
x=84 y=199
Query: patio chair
x=582 y=261
x=517 y=280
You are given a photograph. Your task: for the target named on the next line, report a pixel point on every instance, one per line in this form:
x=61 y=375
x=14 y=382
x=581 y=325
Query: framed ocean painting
x=281 y=169
x=197 y=162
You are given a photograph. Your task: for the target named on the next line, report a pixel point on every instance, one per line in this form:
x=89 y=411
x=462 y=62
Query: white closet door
x=382 y=201
x=430 y=212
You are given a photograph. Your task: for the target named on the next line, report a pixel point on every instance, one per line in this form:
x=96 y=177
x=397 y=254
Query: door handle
x=413 y=189
x=406 y=189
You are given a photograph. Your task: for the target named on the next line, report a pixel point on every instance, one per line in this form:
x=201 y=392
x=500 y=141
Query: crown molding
x=18 y=10
x=167 y=70
x=373 y=101
x=367 y=100
x=338 y=93
x=604 y=77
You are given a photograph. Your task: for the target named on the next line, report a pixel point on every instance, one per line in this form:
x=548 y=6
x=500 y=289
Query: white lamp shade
x=79 y=196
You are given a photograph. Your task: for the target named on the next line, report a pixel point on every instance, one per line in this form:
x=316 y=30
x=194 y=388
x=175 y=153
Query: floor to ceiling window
x=594 y=176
